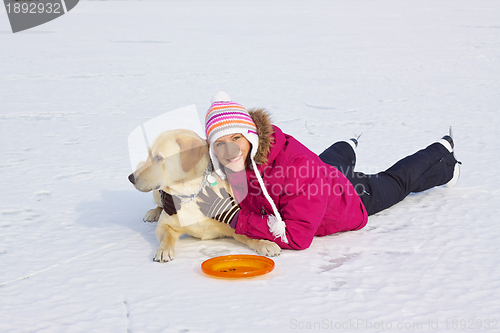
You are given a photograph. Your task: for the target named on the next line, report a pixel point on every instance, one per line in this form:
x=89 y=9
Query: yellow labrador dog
x=178 y=164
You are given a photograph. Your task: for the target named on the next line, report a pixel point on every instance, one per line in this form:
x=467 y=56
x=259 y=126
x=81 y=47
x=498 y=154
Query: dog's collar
x=188 y=198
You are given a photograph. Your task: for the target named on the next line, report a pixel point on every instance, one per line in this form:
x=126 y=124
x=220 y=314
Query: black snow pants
x=423 y=170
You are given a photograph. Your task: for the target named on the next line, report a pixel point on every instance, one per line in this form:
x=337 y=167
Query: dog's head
x=175 y=157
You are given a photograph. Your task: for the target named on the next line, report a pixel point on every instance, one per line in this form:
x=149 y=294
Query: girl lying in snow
x=285 y=193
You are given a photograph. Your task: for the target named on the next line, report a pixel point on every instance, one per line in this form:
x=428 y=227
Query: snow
x=75 y=255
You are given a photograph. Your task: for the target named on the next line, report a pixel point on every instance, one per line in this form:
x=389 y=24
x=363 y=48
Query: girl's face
x=232 y=151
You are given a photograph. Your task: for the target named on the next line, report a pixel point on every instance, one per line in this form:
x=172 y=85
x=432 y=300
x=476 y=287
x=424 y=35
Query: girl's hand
x=222 y=209
x=170 y=204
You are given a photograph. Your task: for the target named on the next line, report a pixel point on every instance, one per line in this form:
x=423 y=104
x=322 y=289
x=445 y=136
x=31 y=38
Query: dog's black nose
x=131 y=178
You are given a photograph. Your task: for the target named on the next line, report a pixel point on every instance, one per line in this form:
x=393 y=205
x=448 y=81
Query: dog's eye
x=158 y=158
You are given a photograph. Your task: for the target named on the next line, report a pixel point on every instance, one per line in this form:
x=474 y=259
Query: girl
x=285 y=193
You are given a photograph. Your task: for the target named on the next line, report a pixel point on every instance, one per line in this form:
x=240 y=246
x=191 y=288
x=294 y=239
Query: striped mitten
x=170 y=204
x=221 y=209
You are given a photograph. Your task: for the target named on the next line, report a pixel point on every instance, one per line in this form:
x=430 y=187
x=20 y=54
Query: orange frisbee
x=237 y=266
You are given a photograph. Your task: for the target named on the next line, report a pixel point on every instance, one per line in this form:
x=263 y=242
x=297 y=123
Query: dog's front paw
x=153 y=215
x=268 y=248
x=164 y=255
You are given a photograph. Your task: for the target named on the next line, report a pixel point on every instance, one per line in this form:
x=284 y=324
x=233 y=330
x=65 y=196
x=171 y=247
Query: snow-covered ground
x=75 y=255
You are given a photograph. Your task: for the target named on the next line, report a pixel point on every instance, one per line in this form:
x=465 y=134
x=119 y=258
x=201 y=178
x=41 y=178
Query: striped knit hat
x=226 y=117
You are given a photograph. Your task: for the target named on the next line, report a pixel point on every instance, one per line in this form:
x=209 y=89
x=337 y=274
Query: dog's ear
x=192 y=151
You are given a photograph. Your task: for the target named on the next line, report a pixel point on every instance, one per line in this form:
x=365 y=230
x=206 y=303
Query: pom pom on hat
x=221 y=97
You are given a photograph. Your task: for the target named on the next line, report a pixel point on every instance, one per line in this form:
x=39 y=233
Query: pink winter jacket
x=314 y=198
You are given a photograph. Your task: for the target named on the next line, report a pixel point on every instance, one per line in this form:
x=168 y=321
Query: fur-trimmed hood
x=262 y=120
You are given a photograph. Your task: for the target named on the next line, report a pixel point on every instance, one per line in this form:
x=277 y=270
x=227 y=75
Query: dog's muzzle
x=131 y=178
